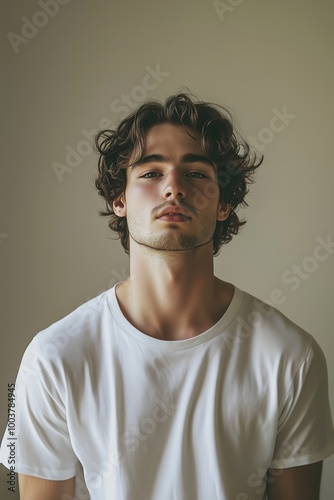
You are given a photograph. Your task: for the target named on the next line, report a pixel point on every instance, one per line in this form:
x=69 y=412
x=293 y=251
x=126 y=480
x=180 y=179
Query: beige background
x=255 y=57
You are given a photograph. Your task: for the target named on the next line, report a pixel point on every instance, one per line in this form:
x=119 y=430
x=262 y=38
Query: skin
x=34 y=488
x=295 y=483
x=172 y=291
x=172 y=261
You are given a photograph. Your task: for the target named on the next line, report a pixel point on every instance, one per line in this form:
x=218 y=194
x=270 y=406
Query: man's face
x=173 y=204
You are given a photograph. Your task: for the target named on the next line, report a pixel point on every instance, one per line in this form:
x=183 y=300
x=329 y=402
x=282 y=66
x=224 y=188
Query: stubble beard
x=174 y=241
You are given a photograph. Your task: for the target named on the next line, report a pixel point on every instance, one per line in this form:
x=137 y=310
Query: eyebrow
x=187 y=158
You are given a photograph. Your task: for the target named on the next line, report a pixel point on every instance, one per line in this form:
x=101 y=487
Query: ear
x=224 y=210
x=119 y=205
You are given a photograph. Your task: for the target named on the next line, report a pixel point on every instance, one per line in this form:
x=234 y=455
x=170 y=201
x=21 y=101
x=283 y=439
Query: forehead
x=168 y=136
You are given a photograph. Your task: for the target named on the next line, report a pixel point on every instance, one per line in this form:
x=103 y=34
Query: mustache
x=169 y=204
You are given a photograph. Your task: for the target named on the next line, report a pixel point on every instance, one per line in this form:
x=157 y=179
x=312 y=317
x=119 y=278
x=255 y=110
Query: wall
x=88 y=63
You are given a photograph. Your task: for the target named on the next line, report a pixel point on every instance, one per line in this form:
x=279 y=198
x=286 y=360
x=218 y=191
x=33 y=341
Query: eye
x=198 y=175
x=149 y=175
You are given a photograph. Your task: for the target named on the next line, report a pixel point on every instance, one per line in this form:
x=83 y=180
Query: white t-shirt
x=195 y=419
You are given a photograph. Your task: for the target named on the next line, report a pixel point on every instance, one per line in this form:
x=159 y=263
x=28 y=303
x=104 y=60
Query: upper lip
x=172 y=209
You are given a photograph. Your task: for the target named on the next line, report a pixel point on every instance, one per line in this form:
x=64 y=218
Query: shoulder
x=277 y=353
x=271 y=334
x=67 y=338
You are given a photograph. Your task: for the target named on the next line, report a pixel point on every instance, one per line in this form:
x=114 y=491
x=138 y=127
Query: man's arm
x=35 y=488
x=295 y=483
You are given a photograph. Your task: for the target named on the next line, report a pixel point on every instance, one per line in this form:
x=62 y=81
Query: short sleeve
x=40 y=441
x=305 y=431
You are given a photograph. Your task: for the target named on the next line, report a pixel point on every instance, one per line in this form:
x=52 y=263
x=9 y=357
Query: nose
x=174 y=187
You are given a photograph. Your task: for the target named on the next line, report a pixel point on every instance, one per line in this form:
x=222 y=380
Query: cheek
x=144 y=193
x=211 y=190
x=205 y=195
x=140 y=199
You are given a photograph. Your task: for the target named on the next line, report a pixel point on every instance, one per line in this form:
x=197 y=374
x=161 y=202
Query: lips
x=173 y=211
x=174 y=218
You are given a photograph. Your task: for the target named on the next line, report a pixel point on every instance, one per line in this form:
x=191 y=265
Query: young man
x=173 y=384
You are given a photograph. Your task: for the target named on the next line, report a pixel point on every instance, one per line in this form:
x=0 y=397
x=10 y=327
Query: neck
x=173 y=295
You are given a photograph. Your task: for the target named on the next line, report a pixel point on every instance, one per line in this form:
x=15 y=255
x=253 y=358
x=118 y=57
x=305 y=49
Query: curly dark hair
x=235 y=162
